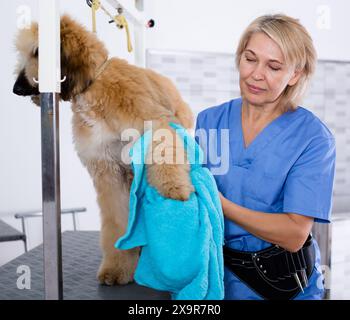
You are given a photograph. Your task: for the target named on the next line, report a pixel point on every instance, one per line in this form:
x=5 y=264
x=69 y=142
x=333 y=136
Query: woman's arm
x=288 y=230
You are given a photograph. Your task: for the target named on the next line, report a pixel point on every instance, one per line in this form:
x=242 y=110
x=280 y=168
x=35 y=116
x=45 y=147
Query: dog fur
x=107 y=98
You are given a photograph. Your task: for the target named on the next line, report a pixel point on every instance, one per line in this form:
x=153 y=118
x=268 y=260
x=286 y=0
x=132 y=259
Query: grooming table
x=81 y=259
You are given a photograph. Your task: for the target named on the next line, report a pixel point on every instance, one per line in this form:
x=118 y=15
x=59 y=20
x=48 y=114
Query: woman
x=281 y=166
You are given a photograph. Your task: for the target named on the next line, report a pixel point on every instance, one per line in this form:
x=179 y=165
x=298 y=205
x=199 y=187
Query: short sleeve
x=199 y=124
x=308 y=189
x=200 y=136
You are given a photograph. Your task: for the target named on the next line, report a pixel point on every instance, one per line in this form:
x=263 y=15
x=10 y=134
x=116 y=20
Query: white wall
x=215 y=26
x=20 y=169
x=199 y=25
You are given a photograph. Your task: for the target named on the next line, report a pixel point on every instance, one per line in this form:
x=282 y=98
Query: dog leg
x=168 y=168
x=117 y=266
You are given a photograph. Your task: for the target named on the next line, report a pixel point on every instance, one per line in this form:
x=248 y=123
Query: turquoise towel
x=181 y=241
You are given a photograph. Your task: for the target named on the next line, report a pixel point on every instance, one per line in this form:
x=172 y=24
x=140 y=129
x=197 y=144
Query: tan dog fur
x=122 y=96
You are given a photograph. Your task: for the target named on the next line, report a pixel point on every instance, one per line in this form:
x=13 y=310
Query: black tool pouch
x=274 y=273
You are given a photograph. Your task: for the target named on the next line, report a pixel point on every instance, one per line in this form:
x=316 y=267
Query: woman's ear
x=295 y=77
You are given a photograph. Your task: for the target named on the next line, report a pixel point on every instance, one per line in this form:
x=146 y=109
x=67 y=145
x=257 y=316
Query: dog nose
x=22 y=87
x=20 y=91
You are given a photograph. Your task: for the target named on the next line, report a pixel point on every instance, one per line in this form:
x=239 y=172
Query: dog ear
x=75 y=59
x=77 y=76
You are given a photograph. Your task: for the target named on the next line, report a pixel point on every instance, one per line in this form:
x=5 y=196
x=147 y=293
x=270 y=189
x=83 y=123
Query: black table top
x=81 y=259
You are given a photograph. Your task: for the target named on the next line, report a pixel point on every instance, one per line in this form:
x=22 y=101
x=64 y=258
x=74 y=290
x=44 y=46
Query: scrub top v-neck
x=287 y=168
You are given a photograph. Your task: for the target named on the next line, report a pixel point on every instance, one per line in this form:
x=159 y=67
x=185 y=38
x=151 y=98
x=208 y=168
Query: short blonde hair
x=296 y=45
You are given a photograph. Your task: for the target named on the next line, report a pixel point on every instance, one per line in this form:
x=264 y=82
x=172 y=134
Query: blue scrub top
x=288 y=167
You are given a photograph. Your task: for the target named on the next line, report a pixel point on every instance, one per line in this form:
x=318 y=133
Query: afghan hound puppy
x=107 y=97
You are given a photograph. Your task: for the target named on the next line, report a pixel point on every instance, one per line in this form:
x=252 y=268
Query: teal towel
x=181 y=241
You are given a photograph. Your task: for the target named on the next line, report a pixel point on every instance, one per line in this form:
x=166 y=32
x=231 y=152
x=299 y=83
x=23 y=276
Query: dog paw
x=177 y=191
x=110 y=276
x=171 y=181
x=119 y=269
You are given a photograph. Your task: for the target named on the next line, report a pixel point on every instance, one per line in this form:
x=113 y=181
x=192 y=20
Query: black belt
x=274 y=273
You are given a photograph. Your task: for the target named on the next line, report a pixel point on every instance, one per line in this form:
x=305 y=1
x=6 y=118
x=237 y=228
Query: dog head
x=81 y=55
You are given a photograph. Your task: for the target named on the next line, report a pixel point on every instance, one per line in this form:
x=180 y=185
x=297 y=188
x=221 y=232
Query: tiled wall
x=203 y=79
x=208 y=79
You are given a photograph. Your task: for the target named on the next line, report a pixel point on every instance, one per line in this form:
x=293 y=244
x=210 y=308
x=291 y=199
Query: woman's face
x=263 y=71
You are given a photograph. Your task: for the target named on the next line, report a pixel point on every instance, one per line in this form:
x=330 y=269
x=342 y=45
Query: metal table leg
x=50 y=87
x=51 y=195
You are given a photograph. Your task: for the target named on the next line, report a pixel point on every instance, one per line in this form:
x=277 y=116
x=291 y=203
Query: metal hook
x=62 y=80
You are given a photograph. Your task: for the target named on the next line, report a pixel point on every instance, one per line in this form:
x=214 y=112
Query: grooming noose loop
x=61 y=81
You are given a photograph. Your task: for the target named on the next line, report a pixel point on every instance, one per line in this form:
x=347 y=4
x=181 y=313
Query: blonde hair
x=296 y=45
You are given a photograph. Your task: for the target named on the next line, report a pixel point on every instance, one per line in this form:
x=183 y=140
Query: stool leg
x=24 y=235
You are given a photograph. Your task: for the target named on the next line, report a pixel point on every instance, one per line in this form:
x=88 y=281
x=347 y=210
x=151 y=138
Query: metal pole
x=139 y=34
x=74 y=221
x=322 y=232
x=51 y=196
x=49 y=87
x=25 y=234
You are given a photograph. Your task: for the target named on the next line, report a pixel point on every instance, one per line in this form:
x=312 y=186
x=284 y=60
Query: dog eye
x=36 y=52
